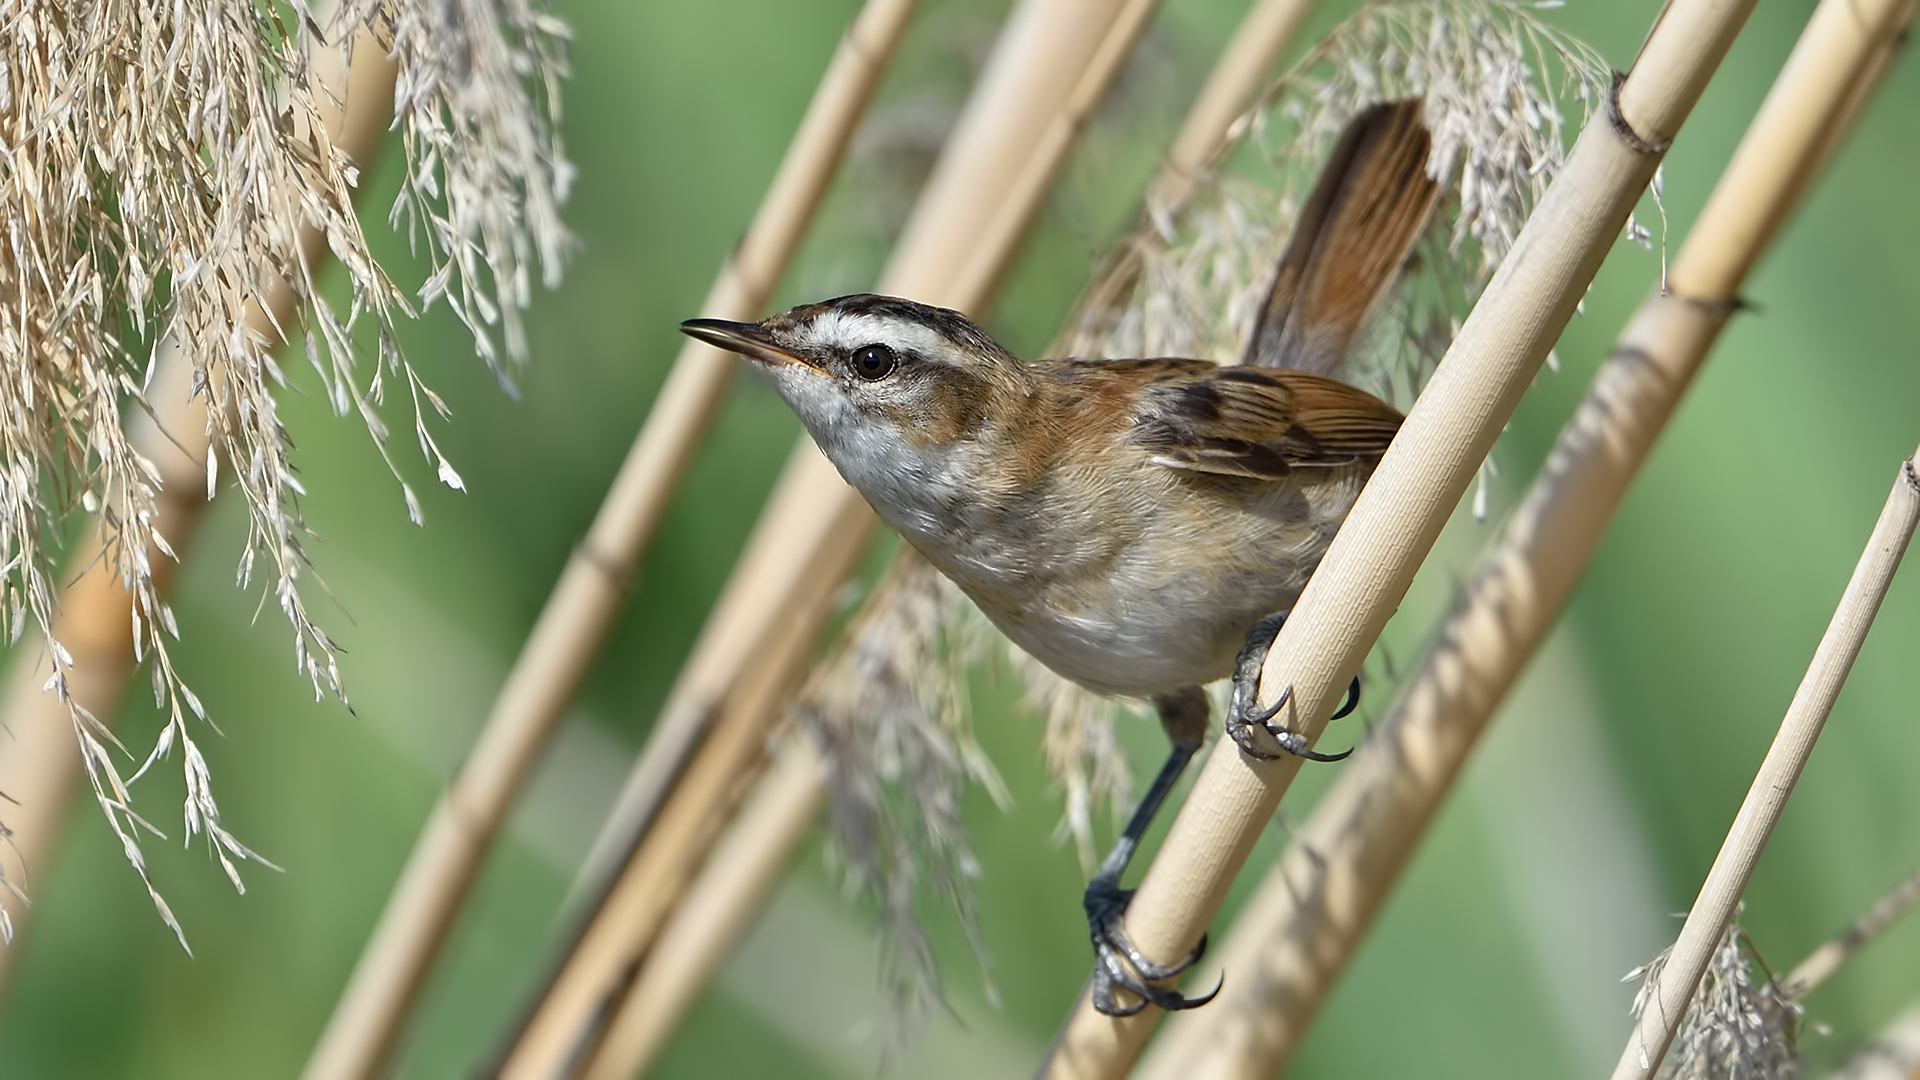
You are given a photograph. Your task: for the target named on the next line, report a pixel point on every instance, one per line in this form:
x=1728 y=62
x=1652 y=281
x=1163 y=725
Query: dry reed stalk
x=749 y=855
x=39 y=765
x=746 y=861
x=572 y=625
x=1295 y=936
x=1207 y=133
x=1262 y=35
x=1822 y=962
x=1423 y=475
x=751 y=649
x=564 y=1030
x=1666 y=998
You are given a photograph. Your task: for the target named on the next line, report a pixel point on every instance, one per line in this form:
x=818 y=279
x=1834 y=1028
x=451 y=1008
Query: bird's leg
x=1243 y=715
x=1118 y=964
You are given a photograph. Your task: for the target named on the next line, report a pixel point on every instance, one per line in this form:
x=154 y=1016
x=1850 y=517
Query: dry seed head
x=1737 y=1027
x=1496 y=82
x=159 y=160
x=888 y=711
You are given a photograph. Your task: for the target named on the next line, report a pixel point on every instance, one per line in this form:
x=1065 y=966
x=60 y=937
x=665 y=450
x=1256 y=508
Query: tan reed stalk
x=1440 y=447
x=746 y=861
x=1767 y=798
x=568 y=633
x=1822 y=962
x=1241 y=70
x=39 y=763
x=1295 y=936
x=749 y=855
x=750 y=651
x=571 y=1016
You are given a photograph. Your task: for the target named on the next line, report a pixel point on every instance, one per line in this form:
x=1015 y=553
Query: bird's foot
x=1244 y=714
x=1118 y=965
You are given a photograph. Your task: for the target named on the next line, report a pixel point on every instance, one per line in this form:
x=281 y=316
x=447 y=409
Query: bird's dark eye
x=873 y=362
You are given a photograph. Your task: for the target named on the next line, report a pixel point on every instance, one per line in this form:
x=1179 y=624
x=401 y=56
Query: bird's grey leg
x=1118 y=964
x=1243 y=715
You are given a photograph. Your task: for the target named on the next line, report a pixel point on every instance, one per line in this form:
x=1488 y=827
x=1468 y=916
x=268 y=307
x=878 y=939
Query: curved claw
x=1352 y=702
x=1109 y=974
x=1111 y=946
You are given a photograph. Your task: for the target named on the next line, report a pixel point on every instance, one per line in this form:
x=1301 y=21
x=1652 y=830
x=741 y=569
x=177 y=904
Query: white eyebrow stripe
x=842 y=330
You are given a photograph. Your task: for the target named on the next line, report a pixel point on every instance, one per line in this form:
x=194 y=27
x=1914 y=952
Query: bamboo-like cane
x=568 y=633
x=39 y=763
x=749 y=855
x=1295 y=936
x=746 y=861
x=1822 y=962
x=754 y=643
x=1767 y=798
x=1371 y=562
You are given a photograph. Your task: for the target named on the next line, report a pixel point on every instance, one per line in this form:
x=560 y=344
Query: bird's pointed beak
x=750 y=340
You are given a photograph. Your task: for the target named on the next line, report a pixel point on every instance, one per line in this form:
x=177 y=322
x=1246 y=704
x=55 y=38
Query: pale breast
x=1149 y=581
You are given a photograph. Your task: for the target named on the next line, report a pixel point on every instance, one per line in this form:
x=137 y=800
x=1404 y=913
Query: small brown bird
x=1139 y=526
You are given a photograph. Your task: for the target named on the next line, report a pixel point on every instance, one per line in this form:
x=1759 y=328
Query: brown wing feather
x=1260 y=424
x=1354 y=233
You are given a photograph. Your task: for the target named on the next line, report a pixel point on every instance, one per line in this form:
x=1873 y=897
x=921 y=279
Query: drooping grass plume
x=163 y=162
x=1744 y=1022
x=889 y=715
x=1497 y=83
x=1739 y=1026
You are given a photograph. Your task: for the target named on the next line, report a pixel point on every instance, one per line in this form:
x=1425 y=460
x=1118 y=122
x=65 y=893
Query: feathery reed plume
x=1714 y=909
x=94 y=617
x=575 y=620
x=889 y=718
x=1294 y=937
x=1737 y=1027
x=1740 y=1028
x=1190 y=280
x=171 y=155
x=1399 y=514
x=746 y=657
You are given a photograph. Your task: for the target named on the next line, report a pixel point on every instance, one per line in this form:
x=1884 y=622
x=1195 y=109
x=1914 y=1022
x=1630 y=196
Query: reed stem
x=1767 y=798
x=39 y=763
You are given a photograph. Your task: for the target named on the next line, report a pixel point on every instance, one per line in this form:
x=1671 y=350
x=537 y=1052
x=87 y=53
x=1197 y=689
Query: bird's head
x=893 y=391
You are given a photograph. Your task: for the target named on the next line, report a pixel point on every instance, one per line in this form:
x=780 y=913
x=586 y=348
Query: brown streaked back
x=1366 y=211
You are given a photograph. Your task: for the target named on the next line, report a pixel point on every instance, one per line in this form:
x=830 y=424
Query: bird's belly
x=1142 y=636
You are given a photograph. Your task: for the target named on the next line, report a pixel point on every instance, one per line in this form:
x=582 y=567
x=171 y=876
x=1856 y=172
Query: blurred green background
x=1586 y=820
